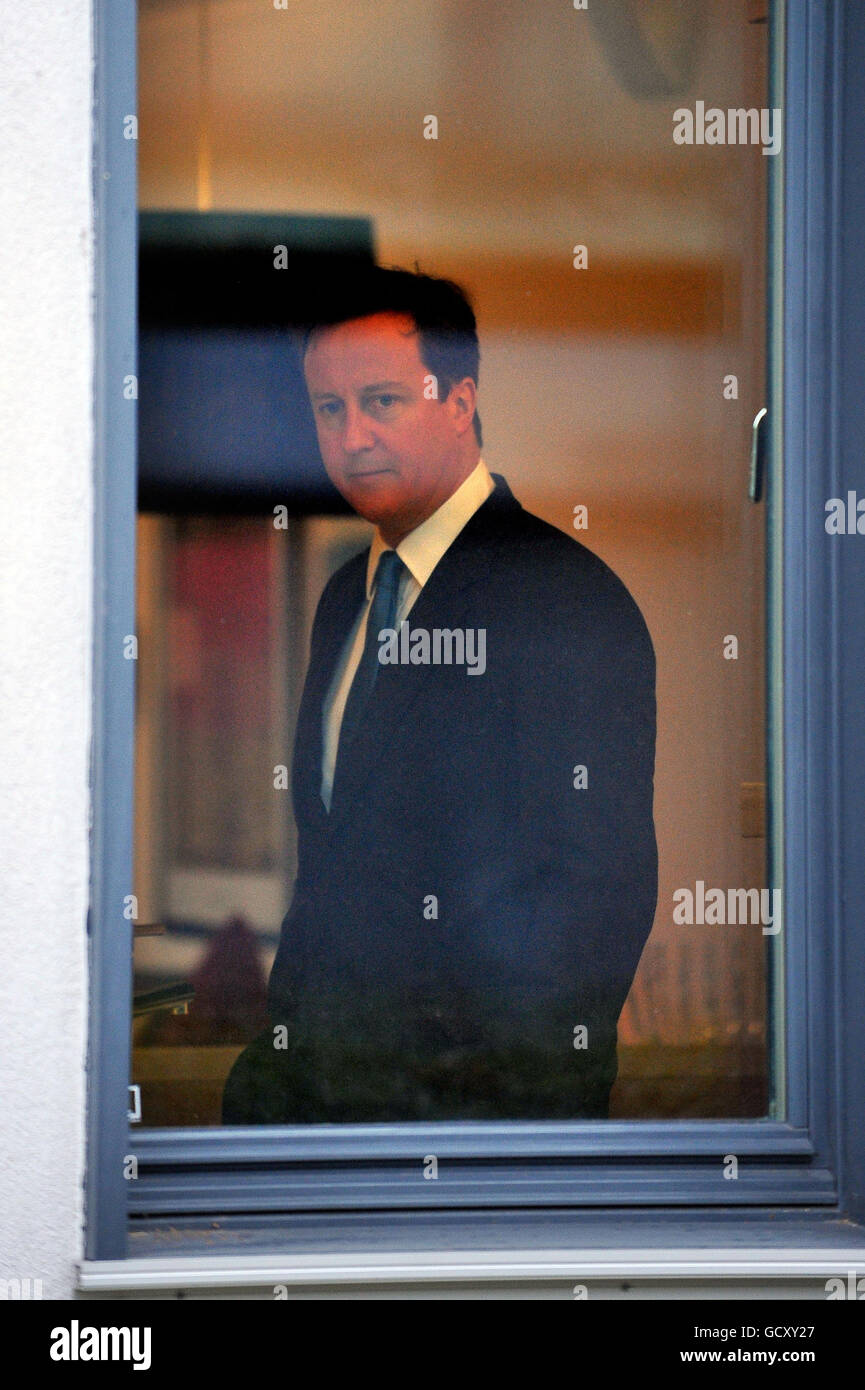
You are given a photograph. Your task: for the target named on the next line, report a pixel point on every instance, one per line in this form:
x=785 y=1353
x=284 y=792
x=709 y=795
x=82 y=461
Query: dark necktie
x=382 y=614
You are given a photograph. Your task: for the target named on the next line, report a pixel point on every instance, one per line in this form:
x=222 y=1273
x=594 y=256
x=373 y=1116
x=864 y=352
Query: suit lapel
x=335 y=623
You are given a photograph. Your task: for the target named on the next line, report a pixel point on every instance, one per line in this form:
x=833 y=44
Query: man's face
x=393 y=452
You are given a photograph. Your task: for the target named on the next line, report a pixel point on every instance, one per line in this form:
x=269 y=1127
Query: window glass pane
x=594 y=181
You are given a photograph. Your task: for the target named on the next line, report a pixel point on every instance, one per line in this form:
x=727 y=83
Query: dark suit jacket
x=464 y=908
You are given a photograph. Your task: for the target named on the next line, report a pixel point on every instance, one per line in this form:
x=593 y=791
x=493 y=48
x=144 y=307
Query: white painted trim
x=244 y=1271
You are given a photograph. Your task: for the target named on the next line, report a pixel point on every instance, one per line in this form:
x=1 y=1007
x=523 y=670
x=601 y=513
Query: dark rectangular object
x=224 y=422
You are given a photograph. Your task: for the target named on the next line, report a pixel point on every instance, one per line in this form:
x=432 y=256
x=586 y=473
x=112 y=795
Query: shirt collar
x=421 y=550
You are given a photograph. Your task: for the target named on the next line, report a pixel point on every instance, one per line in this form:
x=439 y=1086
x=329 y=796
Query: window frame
x=813 y=1158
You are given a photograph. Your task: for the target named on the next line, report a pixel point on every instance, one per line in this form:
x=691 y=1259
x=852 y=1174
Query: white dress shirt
x=420 y=552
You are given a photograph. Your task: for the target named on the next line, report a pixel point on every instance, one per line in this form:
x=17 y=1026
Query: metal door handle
x=758 y=456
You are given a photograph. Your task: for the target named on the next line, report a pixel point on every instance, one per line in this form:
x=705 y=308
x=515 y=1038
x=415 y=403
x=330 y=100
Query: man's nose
x=357 y=434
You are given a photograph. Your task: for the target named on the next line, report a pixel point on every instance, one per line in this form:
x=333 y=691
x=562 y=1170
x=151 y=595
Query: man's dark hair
x=440 y=309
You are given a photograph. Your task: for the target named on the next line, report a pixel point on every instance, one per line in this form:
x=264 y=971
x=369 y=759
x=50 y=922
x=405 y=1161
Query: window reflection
x=601 y=388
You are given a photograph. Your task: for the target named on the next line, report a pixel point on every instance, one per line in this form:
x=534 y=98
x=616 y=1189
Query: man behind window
x=472 y=780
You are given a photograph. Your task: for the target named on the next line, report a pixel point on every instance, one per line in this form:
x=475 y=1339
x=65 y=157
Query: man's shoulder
x=543 y=568
x=538 y=543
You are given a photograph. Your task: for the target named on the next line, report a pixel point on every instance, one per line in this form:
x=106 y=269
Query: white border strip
x=246 y=1271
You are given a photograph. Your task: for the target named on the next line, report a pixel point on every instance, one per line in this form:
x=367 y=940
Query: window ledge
x=475 y=1249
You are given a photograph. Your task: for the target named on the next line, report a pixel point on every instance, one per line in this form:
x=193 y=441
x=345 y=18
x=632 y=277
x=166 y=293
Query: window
x=620 y=377
x=767 y=1114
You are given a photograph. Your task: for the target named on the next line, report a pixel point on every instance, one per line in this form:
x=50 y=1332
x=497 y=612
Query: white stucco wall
x=46 y=351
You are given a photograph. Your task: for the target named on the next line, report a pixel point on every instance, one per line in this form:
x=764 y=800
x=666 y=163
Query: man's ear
x=462 y=402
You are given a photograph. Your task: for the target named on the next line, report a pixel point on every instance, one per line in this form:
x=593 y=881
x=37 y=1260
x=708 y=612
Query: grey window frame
x=814 y=1158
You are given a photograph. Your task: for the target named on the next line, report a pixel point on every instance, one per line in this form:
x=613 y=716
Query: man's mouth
x=368 y=472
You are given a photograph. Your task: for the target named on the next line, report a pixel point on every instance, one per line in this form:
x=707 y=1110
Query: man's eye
x=386 y=400
x=328 y=408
